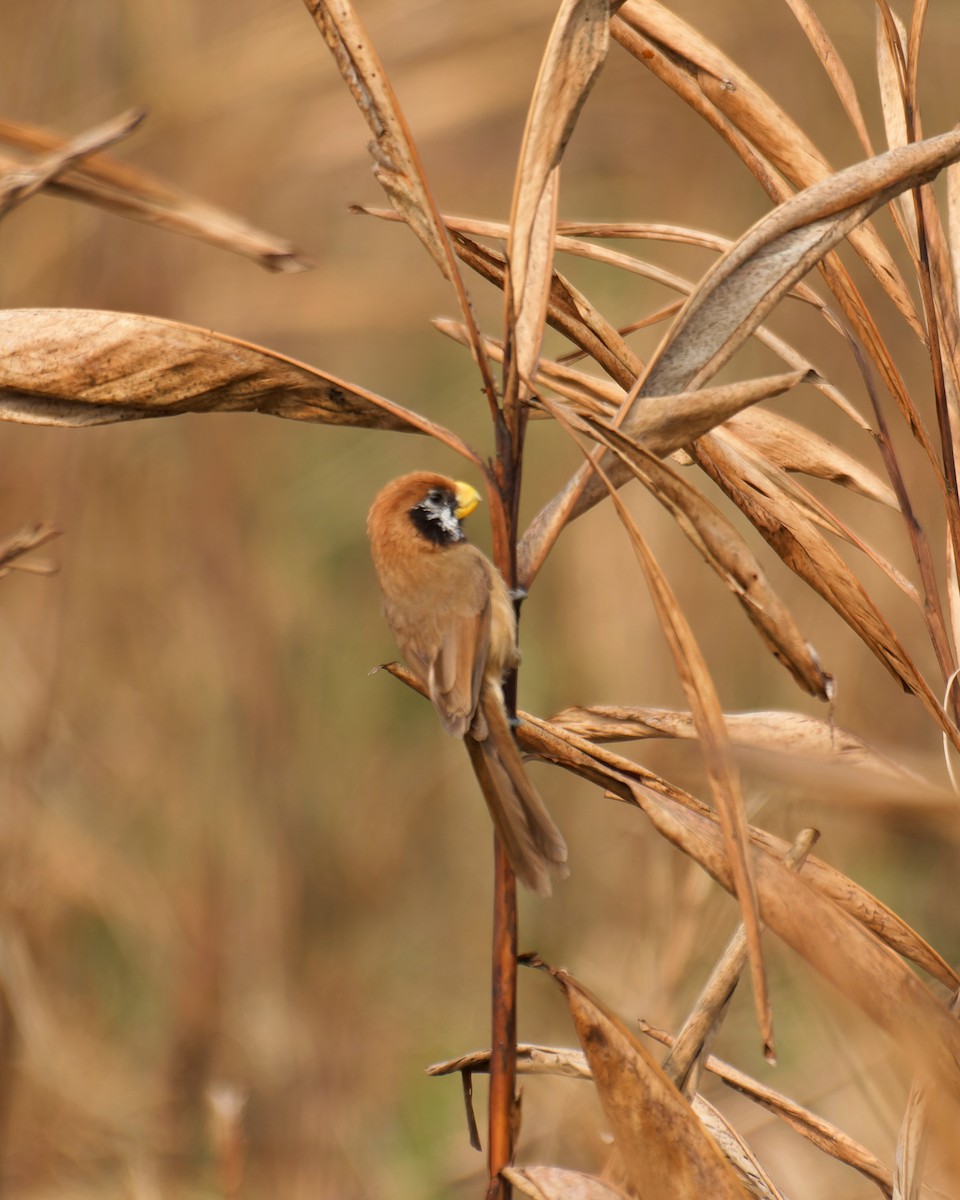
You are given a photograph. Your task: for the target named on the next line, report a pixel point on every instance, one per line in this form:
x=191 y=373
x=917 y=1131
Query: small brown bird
x=454 y=623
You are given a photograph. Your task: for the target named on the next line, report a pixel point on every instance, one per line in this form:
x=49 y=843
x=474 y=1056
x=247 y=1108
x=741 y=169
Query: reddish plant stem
x=503 y=1045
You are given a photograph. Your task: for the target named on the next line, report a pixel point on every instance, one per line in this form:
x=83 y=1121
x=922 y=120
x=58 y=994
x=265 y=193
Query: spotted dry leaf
x=76 y=367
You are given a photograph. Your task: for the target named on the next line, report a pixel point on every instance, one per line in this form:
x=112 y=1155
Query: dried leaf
x=572 y=60
x=804 y=549
x=741 y=289
x=128 y=192
x=722 y=773
x=866 y=972
x=19 y=185
x=663 y=1146
x=557 y=1183
x=790 y=733
x=727 y=552
x=764 y=124
x=815 y=1129
x=76 y=367
x=834 y=66
x=397 y=165
x=793 y=447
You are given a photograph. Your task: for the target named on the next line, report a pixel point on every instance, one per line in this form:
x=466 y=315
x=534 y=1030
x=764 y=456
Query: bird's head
x=436 y=505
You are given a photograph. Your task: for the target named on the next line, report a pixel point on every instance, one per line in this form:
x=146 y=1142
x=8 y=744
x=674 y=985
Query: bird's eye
x=434 y=496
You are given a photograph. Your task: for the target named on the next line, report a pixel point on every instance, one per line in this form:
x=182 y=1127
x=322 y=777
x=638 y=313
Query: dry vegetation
x=245 y=886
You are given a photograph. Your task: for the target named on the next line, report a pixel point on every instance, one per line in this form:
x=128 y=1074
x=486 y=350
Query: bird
x=453 y=620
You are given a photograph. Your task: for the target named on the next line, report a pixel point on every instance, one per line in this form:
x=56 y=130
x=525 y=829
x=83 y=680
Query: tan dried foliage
x=117 y=187
x=663 y=1147
x=572 y=60
x=557 y=1183
x=741 y=289
x=77 y=368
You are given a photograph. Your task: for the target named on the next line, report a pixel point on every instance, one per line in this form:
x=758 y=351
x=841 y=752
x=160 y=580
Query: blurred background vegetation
x=236 y=866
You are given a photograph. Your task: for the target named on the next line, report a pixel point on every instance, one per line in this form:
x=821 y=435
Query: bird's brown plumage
x=454 y=623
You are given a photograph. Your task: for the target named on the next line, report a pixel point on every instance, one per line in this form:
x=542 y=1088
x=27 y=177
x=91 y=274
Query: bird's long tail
x=533 y=843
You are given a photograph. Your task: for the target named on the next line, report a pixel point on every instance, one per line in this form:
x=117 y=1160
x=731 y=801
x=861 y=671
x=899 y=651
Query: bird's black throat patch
x=435 y=518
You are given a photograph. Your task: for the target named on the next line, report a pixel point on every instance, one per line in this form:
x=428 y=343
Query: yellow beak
x=467 y=499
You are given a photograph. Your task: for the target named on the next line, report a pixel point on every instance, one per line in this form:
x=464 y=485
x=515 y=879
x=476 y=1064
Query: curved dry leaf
x=739 y=99
x=793 y=447
x=558 y=1183
x=18 y=185
x=789 y=733
x=754 y=1178
x=129 y=192
x=664 y=1148
x=397 y=165
x=834 y=67
x=815 y=1129
x=572 y=60
x=802 y=547
x=725 y=550
x=858 y=964
x=621 y=776
x=740 y=290
x=86 y=367
x=722 y=773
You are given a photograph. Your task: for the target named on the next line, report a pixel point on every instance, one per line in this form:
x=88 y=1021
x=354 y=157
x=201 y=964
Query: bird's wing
x=456 y=672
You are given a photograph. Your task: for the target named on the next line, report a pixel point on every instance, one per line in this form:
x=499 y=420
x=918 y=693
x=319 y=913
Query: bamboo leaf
x=77 y=367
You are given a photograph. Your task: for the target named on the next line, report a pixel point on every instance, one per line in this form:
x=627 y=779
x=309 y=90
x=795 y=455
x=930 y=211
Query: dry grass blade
x=18 y=185
x=571 y=63
x=911 y=1144
x=866 y=971
x=789 y=733
x=76 y=367
x=684 y=1063
x=765 y=125
x=664 y=1148
x=13 y=548
x=622 y=776
x=891 y=40
x=726 y=551
x=722 y=772
x=128 y=192
x=793 y=447
x=396 y=162
x=754 y=1178
x=740 y=290
x=568 y=310
x=834 y=66
x=804 y=549
x=821 y=1133
x=557 y=1183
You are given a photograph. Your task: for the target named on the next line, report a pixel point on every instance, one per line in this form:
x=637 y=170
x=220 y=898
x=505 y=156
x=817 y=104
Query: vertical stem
x=503 y=1046
x=503 y=981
